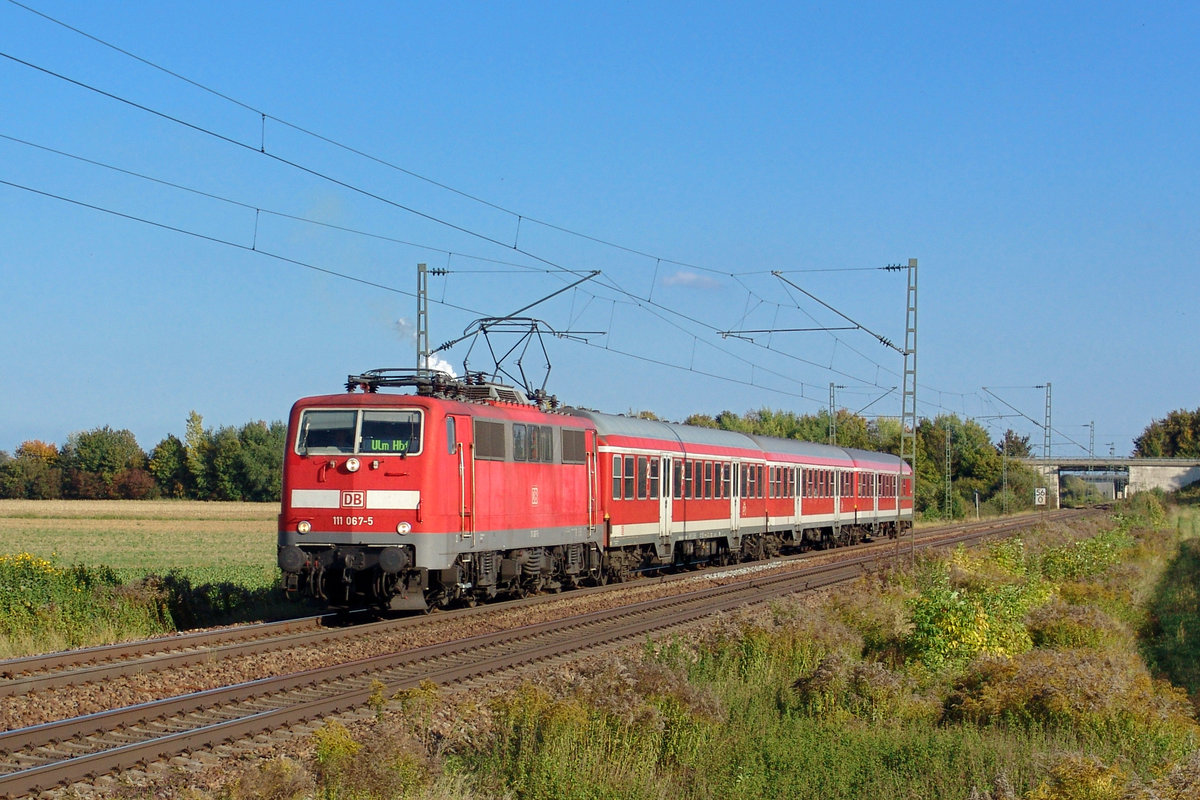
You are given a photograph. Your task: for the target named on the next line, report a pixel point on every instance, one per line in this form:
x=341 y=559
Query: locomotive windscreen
x=372 y=432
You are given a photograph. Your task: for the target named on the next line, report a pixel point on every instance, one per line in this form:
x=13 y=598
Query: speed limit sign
x=1039 y=496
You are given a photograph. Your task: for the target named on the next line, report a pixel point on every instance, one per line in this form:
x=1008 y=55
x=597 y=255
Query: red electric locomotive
x=466 y=490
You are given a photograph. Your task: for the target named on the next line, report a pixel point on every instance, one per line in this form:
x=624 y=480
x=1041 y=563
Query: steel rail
x=97 y=664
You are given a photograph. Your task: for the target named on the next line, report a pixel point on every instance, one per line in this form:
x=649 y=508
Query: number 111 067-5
x=342 y=520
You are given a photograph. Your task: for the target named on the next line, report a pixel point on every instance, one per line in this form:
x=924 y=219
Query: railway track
x=70 y=750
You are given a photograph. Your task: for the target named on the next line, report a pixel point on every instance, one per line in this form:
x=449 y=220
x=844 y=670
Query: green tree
x=33 y=475
x=224 y=467
x=260 y=460
x=1177 y=436
x=197 y=443
x=169 y=466
x=93 y=459
x=1014 y=446
x=975 y=466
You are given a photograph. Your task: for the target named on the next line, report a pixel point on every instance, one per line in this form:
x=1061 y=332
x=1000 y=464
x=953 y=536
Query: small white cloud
x=407 y=332
x=439 y=364
x=691 y=280
x=406 y=329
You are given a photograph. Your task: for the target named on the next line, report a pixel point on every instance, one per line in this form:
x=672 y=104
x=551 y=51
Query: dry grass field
x=142 y=536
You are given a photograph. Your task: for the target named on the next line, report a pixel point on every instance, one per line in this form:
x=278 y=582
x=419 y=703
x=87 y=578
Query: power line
x=262 y=150
x=264 y=115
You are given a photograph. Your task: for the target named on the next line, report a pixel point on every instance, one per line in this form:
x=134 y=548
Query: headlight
x=403 y=528
x=352 y=465
x=304 y=527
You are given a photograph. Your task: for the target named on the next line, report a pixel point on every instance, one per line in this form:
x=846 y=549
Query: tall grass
x=113 y=570
x=1038 y=691
x=47 y=606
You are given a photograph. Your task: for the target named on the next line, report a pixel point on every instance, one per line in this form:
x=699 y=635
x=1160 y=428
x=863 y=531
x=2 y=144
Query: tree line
x=1176 y=436
x=227 y=463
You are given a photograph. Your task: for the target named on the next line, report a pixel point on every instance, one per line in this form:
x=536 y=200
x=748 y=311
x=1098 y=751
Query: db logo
x=354 y=499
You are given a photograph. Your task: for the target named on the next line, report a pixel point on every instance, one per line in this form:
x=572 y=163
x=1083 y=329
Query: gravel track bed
x=39 y=707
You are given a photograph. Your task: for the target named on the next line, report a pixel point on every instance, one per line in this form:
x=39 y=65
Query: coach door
x=836 y=491
x=462 y=453
x=797 y=499
x=735 y=499
x=662 y=485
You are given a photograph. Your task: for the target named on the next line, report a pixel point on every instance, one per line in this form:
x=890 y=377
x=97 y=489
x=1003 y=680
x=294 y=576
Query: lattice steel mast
x=908 y=414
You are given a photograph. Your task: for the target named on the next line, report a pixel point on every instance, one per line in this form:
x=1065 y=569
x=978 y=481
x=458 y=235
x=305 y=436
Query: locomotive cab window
x=345 y=431
x=390 y=432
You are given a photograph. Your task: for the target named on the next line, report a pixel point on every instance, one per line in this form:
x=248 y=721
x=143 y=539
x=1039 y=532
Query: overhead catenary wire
x=261 y=148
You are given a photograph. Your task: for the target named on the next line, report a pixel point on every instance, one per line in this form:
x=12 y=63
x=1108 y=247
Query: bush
x=1109 y=695
x=47 y=606
x=1062 y=625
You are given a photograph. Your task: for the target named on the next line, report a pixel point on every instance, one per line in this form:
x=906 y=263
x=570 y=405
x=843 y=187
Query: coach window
x=654 y=466
x=677 y=471
x=630 y=477
x=725 y=474
x=687 y=479
x=642 y=474
x=616 y=477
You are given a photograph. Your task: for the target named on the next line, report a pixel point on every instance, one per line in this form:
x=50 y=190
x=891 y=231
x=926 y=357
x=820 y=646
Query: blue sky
x=1039 y=160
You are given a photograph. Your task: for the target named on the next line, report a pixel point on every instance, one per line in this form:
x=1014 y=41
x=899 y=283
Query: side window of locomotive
x=520 y=444
x=574 y=446
x=489 y=440
x=451 y=439
x=326 y=432
x=541 y=444
x=391 y=432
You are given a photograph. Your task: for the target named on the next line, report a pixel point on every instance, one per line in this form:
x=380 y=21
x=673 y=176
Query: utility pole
x=1004 y=472
x=949 y=480
x=833 y=412
x=422 y=320
x=908 y=403
x=1046 y=435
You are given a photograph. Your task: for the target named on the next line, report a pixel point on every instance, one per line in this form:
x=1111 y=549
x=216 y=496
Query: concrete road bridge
x=1119 y=477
